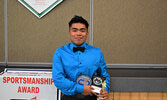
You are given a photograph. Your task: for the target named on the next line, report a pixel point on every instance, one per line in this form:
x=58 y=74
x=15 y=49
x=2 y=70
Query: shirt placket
x=79 y=58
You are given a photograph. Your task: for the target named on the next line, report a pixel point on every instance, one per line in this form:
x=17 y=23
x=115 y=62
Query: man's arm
x=59 y=78
x=103 y=72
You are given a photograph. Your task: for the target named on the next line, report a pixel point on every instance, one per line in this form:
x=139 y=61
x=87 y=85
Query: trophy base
x=96 y=89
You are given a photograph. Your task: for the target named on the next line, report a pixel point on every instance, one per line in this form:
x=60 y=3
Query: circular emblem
x=97 y=81
x=84 y=80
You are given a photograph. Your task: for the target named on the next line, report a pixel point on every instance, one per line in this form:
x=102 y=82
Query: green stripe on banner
x=42 y=13
x=54 y=4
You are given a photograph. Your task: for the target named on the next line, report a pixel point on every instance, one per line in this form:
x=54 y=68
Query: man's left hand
x=103 y=95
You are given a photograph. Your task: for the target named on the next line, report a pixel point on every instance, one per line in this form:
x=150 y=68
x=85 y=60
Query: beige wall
x=34 y=40
x=127 y=31
x=131 y=31
x=2 y=39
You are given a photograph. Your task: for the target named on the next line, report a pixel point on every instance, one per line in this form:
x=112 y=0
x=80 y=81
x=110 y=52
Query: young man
x=76 y=61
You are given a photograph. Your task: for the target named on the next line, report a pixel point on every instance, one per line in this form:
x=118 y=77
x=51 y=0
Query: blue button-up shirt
x=68 y=65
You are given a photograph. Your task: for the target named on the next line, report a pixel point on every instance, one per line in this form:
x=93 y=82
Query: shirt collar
x=73 y=45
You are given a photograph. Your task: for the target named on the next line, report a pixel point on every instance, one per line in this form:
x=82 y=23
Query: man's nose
x=78 y=32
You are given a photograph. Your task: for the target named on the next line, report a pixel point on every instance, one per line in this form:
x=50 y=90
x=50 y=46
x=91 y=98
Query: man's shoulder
x=93 y=48
x=62 y=48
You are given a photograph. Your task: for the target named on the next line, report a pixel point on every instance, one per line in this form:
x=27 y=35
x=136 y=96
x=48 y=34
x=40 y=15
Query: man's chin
x=78 y=43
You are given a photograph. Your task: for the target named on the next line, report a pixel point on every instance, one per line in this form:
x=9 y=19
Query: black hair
x=78 y=19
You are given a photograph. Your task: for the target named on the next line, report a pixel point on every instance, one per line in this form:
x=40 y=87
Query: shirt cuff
x=108 y=90
x=79 y=88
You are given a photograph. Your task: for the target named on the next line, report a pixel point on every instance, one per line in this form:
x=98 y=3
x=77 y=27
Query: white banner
x=40 y=7
x=18 y=84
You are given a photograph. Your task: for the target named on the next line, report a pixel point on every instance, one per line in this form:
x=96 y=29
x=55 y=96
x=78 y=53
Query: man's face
x=78 y=33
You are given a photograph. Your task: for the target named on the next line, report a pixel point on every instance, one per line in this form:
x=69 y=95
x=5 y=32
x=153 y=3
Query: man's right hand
x=88 y=90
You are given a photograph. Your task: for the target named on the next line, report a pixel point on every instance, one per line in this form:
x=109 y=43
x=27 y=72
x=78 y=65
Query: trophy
x=84 y=80
x=98 y=83
x=103 y=85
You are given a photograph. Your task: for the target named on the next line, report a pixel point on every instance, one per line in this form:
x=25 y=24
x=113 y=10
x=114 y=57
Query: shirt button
x=80 y=63
x=79 y=53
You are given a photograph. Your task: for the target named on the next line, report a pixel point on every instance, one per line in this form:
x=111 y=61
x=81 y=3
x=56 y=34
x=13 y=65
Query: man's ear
x=87 y=33
x=69 y=33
